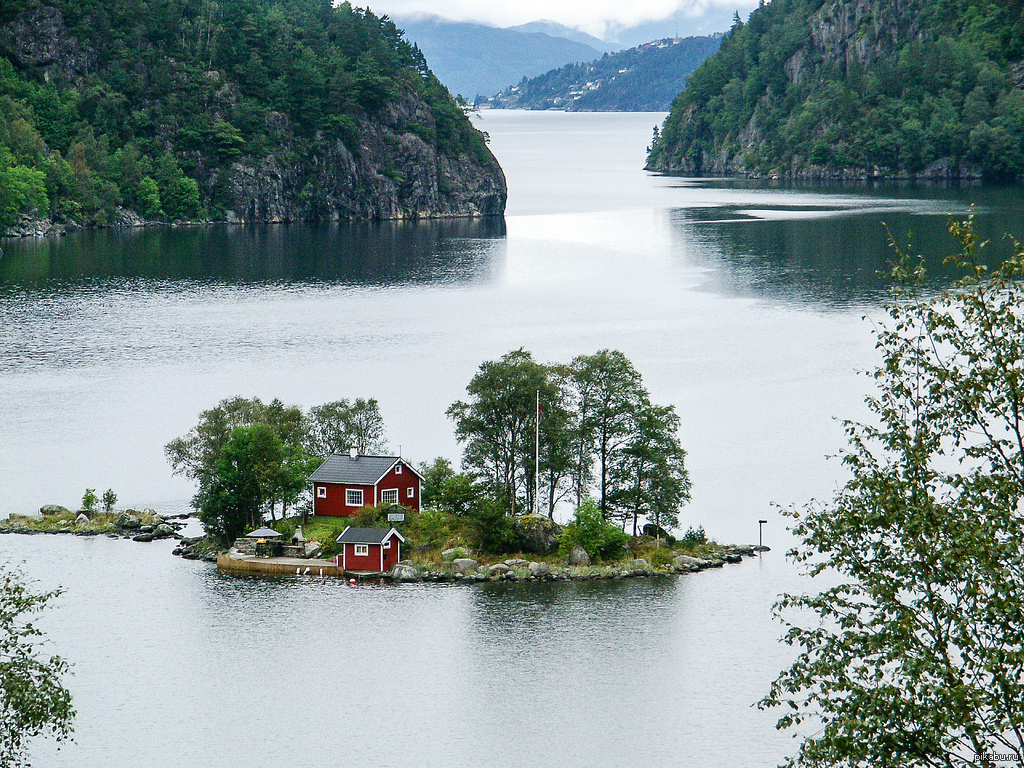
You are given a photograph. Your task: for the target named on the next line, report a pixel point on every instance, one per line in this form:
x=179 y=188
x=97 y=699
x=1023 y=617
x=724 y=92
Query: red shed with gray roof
x=347 y=482
x=369 y=549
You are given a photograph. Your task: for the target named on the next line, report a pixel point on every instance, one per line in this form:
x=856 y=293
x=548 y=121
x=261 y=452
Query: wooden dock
x=288 y=566
x=283 y=566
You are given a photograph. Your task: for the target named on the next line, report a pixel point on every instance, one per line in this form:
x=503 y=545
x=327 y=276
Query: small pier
x=283 y=566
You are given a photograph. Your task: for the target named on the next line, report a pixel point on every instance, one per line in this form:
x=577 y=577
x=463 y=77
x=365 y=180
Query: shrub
x=590 y=531
x=693 y=537
x=89 y=500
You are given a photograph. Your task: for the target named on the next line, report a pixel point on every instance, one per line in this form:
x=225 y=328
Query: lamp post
x=760 y=536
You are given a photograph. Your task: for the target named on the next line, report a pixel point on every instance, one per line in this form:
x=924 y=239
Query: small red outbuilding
x=345 y=483
x=369 y=549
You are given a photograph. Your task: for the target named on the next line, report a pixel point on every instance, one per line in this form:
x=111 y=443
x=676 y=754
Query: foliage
x=432 y=528
x=89 y=500
x=597 y=427
x=34 y=701
x=176 y=91
x=930 y=81
x=641 y=79
x=336 y=427
x=588 y=529
x=914 y=658
x=109 y=499
x=253 y=469
x=488 y=528
x=693 y=537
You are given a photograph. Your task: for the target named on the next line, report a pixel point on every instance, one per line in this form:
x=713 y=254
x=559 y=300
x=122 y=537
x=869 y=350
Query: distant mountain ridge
x=642 y=79
x=476 y=60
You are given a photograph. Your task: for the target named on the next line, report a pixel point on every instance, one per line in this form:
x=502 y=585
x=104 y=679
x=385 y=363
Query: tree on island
x=33 y=699
x=249 y=457
x=599 y=432
x=916 y=656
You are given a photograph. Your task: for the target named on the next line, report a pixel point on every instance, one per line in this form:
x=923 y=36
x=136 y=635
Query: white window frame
x=361 y=550
x=321 y=491
x=410 y=493
x=350 y=494
x=387 y=544
x=398 y=469
x=386 y=493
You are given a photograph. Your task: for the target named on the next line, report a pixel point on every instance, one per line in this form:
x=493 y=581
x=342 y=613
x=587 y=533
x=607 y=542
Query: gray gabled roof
x=367 y=535
x=362 y=470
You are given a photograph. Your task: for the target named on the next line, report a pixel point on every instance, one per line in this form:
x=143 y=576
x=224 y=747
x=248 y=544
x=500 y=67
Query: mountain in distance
x=554 y=29
x=642 y=79
x=857 y=89
x=477 y=60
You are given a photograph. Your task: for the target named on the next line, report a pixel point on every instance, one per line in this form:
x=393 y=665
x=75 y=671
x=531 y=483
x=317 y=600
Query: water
x=741 y=305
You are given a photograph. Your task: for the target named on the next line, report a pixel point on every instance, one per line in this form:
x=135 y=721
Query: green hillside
x=857 y=89
x=227 y=109
x=641 y=79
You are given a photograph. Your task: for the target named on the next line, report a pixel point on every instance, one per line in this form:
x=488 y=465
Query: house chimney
x=352 y=453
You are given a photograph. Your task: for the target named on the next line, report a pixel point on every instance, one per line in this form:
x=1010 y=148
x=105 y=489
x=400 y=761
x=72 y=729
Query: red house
x=369 y=549
x=344 y=483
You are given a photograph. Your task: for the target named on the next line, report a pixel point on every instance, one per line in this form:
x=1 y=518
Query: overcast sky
x=601 y=18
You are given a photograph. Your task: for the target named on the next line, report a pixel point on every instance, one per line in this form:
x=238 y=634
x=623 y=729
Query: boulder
x=53 y=509
x=692 y=563
x=464 y=564
x=639 y=565
x=313 y=549
x=579 y=556
x=405 y=573
x=163 y=531
x=128 y=520
x=539 y=570
x=454 y=553
x=517 y=563
x=147 y=528
x=497 y=569
x=143 y=537
x=23 y=516
x=82 y=520
x=537 y=534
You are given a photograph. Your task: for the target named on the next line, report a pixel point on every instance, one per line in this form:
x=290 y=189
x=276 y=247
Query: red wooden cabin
x=345 y=483
x=369 y=549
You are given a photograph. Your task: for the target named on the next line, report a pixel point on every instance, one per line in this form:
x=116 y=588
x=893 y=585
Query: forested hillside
x=641 y=79
x=227 y=109
x=857 y=89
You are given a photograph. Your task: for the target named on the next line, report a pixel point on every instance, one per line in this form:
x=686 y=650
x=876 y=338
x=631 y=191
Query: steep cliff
x=237 y=110
x=856 y=89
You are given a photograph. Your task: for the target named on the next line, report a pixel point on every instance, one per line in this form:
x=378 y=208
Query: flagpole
x=536 y=461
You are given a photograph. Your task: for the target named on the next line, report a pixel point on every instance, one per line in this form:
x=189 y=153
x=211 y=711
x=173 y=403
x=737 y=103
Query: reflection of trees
x=365 y=252
x=822 y=257
x=576 y=609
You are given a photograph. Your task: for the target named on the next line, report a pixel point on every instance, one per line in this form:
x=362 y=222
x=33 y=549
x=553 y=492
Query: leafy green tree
x=336 y=427
x=610 y=395
x=109 y=499
x=651 y=481
x=253 y=470
x=914 y=657
x=497 y=423
x=89 y=499
x=33 y=699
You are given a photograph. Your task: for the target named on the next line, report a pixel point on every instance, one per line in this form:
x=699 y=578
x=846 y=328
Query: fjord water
x=742 y=305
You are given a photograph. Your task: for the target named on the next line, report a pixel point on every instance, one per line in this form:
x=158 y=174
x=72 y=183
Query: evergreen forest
x=926 y=88
x=145 y=104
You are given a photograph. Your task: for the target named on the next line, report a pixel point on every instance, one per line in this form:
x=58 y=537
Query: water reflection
x=836 y=249
x=369 y=253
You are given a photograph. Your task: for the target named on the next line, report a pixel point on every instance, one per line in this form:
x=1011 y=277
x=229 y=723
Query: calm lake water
x=742 y=305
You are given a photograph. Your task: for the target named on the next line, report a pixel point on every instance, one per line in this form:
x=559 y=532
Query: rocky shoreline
x=146 y=525
x=470 y=570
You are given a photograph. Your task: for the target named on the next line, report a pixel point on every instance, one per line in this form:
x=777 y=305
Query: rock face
x=405 y=573
x=464 y=565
